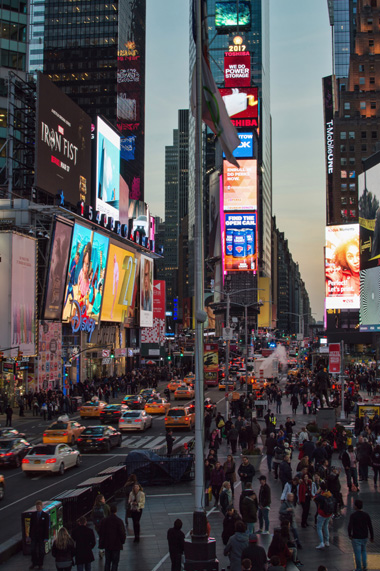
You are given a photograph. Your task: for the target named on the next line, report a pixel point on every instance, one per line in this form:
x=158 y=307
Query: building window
x=361 y=67
x=352 y=213
x=351 y=148
x=373 y=104
x=364 y=134
x=351 y=161
x=362 y=80
x=343 y=174
x=364 y=147
x=343 y=161
x=343 y=148
x=346 y=105
x=343 y=135
x=371 y=43
x=372 y=80
x=351 y=134
x=343 y=187
x=343 y=201
x=352 y=200
x=371 y=67
x=363 y=104
x=351 y=174
x=343 y=213
x=352 y=186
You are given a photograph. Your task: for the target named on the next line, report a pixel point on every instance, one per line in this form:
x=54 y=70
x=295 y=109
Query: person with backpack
x=100 y=511
x=326 y=506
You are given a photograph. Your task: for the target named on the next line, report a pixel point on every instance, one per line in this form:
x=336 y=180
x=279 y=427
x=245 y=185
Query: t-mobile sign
x=237 y=69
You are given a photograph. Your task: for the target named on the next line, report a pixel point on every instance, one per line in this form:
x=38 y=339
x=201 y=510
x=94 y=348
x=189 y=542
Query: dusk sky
x=300 y=40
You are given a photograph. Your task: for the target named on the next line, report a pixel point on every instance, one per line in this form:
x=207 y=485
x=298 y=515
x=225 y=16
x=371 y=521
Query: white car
x=135 y=420
x=53 y=458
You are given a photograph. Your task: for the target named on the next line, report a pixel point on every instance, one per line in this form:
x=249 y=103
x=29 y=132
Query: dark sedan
x=111 y=413
x=12 y=451
x=99 y=438
x=10 y=432
x=135 y=402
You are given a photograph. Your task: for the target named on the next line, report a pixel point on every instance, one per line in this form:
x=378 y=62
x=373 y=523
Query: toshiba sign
x=237 y=69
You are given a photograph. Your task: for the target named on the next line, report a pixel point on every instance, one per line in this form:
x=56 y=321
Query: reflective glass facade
x=342 y=18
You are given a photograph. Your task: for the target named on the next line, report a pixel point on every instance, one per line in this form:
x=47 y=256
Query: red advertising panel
x=241 y=103
x=237 y=69
x=156 y=334
x=211 y=364
x=334 y=358
x=240 y=185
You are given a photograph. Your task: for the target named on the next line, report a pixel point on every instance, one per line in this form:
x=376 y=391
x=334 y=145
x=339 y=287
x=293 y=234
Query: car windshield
x=93 y=430
x=91 y=404
x=46 y=450
x=58 y=426
x=131 y=414
x=112 y=407
x=6 y=444
x=176 y=412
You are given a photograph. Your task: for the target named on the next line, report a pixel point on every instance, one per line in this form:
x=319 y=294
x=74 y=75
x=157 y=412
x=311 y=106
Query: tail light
x=45 y=434
x=166 y=418
x=64 y=433
x=51 y=461
x=99 y=439
x=25 y=461
x=186 y=418
x=122 y=420
x=138 y=420
x=116 y=412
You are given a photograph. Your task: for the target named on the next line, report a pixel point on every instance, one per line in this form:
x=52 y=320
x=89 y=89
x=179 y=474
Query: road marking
x=155 y=442
x=167 y=495
x=181 y=513
x=141 y=442
x=184 y=440
x=52 y=485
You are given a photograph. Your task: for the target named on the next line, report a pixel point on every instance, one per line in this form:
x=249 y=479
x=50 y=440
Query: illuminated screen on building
x=242 y=102
x=237 y=69
x=246 y=148
x=63 y=144
x=240 y=185
x=226 y=16
x=342 y=267
x=240 y=241
x=369 y=217
x=85 y=274
x=107 y=169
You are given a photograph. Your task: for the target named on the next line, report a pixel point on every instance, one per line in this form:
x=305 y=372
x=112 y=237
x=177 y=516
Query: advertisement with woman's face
x=86 y=273
x=342 y=265
x=146 y=292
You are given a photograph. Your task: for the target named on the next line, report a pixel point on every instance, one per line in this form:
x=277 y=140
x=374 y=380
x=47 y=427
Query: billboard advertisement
x=146 y=292
x=328 y=111
x=242 y=102
x=369 y=217
x=226 y=17
x=49 y=368
x=370 y=299
x=107 y=169
x=240 y=185
x=56 y=279
x=85 y=275
x=210 y=364
x=342 y=267
x=156 y=334
x=264 y=318
x=240 y=241
x=63 y=144
x=120 y=288
x=246 y=148
x=237 y=69
x=208 y=301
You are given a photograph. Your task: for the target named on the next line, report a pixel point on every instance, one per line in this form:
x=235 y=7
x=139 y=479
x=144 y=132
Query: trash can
x=54 y=510
x=119 y=474
x=75 y=503
x=100 y=485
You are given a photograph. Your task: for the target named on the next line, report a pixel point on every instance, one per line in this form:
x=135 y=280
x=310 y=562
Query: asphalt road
x=22 y=492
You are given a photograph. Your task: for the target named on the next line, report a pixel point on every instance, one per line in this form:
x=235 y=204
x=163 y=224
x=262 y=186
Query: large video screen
x=370 y=299
x=59 y=257
x=369 y=217
x=107 y=169
x=146 y=292
x=240 y=241
x=342 y=265
x=240 y=185
x=86 y=273
x=121 y=285
x=241 y=102
x=226 y=16
x=246 y=148
x=63 y=144
x=237 y=69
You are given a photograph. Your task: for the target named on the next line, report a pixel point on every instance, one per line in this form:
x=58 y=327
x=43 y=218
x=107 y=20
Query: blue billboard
x=245 y=149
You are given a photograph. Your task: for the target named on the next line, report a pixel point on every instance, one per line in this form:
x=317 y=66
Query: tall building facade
x=95 y=53
x=36 y=32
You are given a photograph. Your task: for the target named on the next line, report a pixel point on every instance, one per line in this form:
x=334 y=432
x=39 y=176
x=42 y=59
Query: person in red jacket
x=304 y=498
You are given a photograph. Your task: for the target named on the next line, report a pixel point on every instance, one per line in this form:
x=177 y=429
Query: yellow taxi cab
x=293 y=372
x=62 y=430
x=92 y=409
x=173 y=385
x=189 y=380
x=180 y=416
x=157 y=406
x=222 y=385
x=184 y=392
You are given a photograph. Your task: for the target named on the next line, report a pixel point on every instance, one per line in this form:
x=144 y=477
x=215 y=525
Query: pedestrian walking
x=100 y=511
x=112 y=536
x=233 y=436
x=128 y=487
x=270 y=444
x=176 y=541
x=248 y=509
x=63 y=550
x=236 y=545
x=264 y=505
x=136 y=504
x=285 y=470
x=229 y=468
x=326 y=507
x=350 y=465
x=9 y=413
x=376 y=463
x=246 y=472
x=359 y=526
x=85 y=542
x=255 y=554
x=304 y=498
x=39 y=535
x=169 y=442
x=225 y=497
x=216 y=481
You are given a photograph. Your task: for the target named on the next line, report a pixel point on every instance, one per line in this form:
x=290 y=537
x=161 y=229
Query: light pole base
x=201 y=555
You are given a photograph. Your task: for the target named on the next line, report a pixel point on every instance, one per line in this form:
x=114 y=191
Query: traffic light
x=112 y=354
x=19 y=355
x=181 y=351
x=169 y=357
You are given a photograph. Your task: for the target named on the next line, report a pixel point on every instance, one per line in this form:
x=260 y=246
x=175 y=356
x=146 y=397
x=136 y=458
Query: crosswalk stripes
x=151 y=442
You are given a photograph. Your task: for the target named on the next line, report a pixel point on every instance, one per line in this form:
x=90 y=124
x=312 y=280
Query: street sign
x=106 y=352
x=299 y=336
x=106 y=361
x=228 y=334
x=334 y=357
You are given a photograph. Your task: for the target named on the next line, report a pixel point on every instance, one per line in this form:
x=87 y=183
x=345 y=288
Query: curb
x=10 y=547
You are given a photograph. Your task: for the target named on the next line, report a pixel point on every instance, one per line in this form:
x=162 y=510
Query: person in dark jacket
x=264 y=504
x=359 y=526
x=176 y=541
x=363 y=454
x=255 y=553
x=249 y=507
x=63 y=550
x=270 y=444
x=216 y=480
x=376 y=463
x=229 y=522
x=285 y=470
x=233 y=436
x=169 y=442
x=112 y=536
x=236 y=545
x=85 y=541
x=246 y=472
x=39 y=534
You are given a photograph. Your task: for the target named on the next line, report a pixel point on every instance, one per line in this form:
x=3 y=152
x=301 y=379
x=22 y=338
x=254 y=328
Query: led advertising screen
x=120 y=285
x=107 y=170
x=146 y=292
x=226 y=16
x=56 y=280
x=85 y=274
x=240 y=185
x=370 y=299
x=342 y=266
x=369 y=217
x=237 y=69
x=156 y=334
x=63 y=144
x=49 y=367
x=242 y=102
x=240 y=241
x=246 y=148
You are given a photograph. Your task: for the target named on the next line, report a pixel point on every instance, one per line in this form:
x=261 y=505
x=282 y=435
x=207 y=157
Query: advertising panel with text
x=240 y=185
x=237 y=69
x=240 y=241
x=107 y=169
x=342 y=265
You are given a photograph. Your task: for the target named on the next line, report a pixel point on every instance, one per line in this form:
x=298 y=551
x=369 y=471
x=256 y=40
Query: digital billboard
x=49 y=367
x=246 y=148
x=85 y=274
x=237 y=69
x=56 y=279
x=370 y=299
x=240 y=185
x=146 y=292
x=342 y=267
x=241 y=102
x=226 y=16
x=156 y=334
x=240 y=241
x=63 y=144
x=121 y=283
x=369 y=217
x=107 y=169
